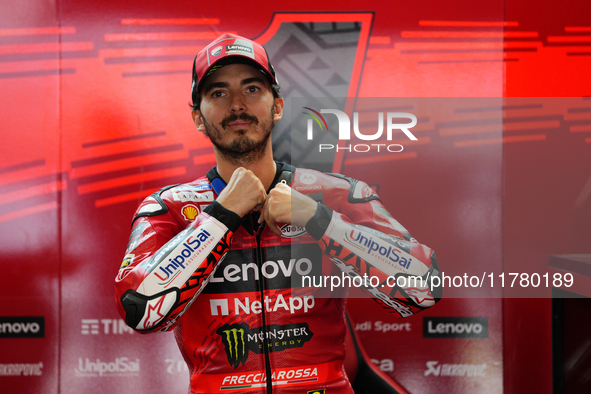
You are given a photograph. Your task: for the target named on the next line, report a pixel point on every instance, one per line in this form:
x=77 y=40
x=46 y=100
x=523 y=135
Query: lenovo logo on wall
x=22 y=327
x=455 y=327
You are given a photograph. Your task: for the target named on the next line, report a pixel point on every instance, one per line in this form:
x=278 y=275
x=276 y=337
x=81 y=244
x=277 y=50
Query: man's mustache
x=243 y=116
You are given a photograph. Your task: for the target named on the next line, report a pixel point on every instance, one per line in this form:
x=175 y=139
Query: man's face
x=238 y=111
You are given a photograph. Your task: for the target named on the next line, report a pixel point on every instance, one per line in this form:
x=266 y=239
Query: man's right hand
x=244 y=193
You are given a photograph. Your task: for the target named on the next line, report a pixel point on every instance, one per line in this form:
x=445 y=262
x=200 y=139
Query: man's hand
x=244 y=193
x=285 y=205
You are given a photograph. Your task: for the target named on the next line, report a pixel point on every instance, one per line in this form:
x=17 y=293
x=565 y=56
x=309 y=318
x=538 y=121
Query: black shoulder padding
x=285 y=177
x=353 y=184
x=318 y=223
x=163 y=207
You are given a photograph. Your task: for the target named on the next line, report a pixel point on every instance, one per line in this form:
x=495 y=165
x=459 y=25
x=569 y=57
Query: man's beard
x=243 y=149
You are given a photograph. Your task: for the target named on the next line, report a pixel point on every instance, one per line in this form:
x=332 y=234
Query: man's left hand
x=285 y=205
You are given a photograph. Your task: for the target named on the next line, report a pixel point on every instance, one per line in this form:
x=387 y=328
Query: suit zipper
x=263 y=287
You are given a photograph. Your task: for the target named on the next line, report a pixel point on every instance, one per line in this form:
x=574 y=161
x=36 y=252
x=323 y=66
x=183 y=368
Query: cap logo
x=212 y=70
x=213 y=56
x=238 y=49
x=216 y=51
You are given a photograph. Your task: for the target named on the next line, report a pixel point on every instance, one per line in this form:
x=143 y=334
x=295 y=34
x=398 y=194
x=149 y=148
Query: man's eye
x=217 y=93
x=253 y=89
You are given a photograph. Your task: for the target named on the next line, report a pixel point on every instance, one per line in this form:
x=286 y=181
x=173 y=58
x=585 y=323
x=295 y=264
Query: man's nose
x=237 y=103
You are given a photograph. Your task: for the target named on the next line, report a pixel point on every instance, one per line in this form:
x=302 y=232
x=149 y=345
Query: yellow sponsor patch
x=190 y=212
x=126 y=261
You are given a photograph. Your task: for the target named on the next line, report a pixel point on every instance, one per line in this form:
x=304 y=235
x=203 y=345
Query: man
x=223 y=260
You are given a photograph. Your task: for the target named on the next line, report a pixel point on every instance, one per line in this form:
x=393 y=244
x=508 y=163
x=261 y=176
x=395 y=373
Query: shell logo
x=190 y=212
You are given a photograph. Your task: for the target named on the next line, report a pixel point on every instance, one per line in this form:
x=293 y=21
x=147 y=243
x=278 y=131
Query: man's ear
x=278 y=109
x=198 y=120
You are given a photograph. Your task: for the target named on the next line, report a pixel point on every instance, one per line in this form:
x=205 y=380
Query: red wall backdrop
x=94 y=118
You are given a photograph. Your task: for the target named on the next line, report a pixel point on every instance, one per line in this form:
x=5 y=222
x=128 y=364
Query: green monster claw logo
x=233 y=338
x=240 y=339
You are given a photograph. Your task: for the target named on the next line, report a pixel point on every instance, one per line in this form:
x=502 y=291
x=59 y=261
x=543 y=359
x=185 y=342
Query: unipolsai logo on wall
x=120 y=366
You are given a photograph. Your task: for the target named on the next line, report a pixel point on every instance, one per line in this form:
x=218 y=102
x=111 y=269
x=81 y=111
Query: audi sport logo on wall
x=22 y=327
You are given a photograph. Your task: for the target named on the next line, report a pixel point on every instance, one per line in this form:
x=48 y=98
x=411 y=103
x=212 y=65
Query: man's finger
x=264 y=209
x=273 y=226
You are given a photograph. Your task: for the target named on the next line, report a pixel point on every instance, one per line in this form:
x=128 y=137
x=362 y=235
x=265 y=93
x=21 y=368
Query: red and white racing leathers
x=253 y=311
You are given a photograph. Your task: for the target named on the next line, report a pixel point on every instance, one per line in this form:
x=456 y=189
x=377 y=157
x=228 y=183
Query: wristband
x=318 y=223
x=224 y=215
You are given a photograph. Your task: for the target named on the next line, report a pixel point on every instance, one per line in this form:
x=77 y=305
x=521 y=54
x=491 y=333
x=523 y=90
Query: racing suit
x=246 y=304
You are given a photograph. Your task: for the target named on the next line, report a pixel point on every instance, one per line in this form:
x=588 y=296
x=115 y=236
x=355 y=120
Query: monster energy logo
x=233 y=340
x=239 y=339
